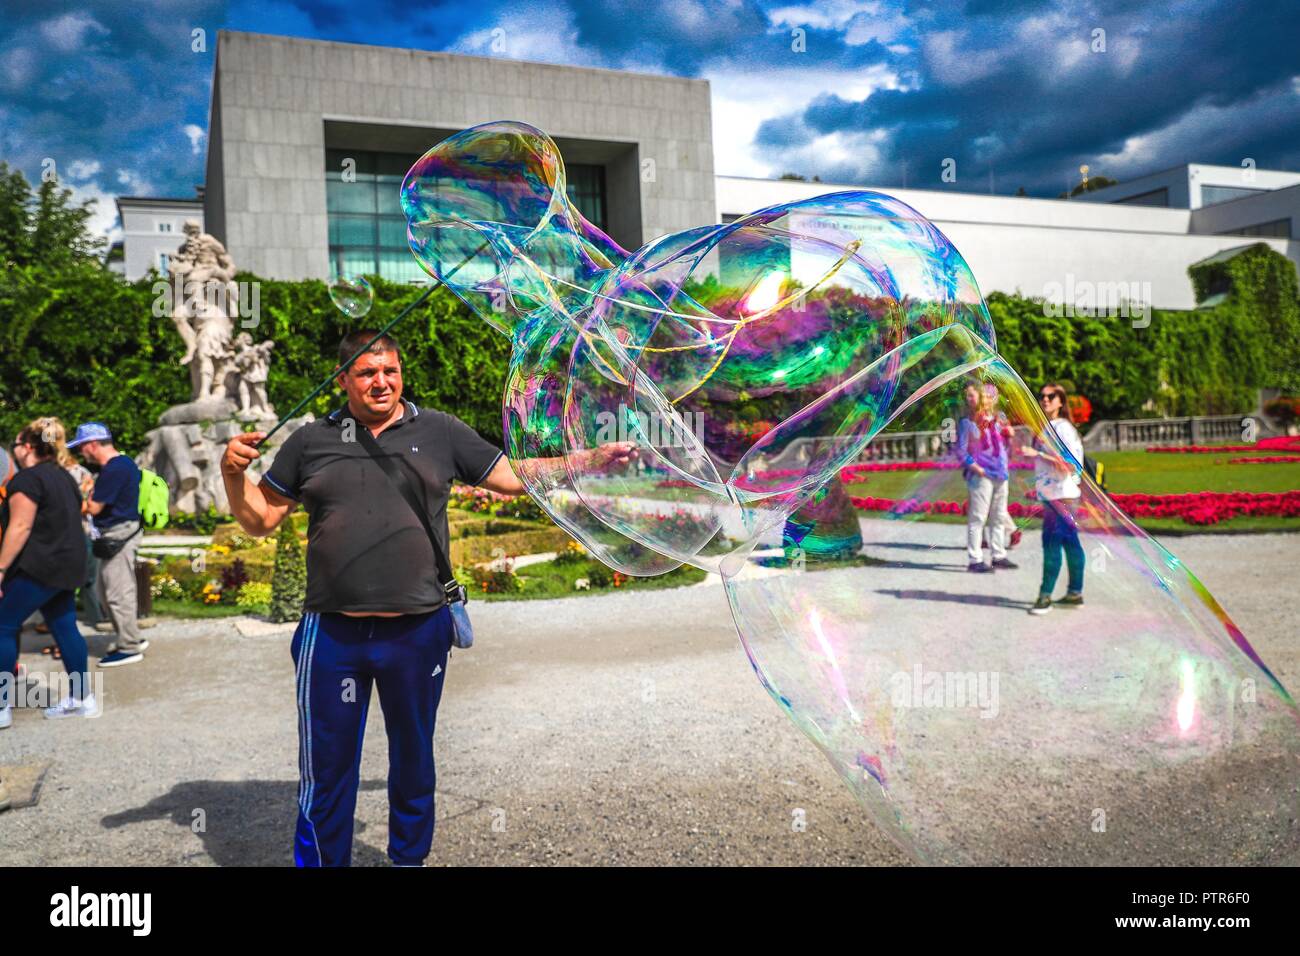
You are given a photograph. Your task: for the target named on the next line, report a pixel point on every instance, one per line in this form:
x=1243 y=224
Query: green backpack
x=154 y=500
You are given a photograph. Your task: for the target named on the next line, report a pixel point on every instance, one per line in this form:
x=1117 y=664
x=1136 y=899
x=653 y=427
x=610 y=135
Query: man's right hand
x=241 y=451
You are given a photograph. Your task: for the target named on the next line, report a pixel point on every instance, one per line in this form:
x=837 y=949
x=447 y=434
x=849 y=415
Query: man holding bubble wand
x=376 y=613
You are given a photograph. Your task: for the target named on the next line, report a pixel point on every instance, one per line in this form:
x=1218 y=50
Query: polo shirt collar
x=409 y=412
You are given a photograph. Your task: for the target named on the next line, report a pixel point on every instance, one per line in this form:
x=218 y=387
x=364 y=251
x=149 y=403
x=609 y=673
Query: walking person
x=1059 y=488
x=42 y=561
x=92 y=610
x=114 y=505
x=982 y=451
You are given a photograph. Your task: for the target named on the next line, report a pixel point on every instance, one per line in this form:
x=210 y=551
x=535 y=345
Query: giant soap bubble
x=748 y=363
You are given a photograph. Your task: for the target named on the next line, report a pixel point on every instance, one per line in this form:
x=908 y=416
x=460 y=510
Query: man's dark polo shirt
x=366 y=550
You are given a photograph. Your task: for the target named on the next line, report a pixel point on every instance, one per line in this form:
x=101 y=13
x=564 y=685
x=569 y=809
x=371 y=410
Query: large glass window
x=1213 y=195
x=1157 y=197
x=367 y=231
x=586 y=189
x=1278 y=227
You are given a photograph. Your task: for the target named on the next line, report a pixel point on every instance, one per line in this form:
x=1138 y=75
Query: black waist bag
x=462 y=630
x=108 y=548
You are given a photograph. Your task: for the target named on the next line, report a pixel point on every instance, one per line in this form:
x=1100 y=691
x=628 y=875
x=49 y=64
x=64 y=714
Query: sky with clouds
x=881 y=92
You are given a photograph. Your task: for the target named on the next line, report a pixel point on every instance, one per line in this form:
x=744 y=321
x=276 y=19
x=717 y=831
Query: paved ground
x=621 y=728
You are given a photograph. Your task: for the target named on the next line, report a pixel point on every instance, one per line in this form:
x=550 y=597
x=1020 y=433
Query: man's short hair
x=353 y=341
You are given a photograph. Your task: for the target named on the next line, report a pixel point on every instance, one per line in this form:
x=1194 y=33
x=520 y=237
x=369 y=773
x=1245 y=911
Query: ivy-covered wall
x=1207 y=361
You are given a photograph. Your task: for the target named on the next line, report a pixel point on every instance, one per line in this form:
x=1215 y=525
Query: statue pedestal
x=186 y=449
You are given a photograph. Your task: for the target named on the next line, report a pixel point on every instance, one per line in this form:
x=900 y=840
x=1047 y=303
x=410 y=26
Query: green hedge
x=78 y=342
x=81 y=343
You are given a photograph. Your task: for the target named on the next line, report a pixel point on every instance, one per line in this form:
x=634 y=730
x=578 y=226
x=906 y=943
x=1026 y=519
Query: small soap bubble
x=353 y=295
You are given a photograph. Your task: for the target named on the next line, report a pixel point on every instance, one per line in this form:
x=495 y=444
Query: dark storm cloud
x=1002 y=85
x=994 y=92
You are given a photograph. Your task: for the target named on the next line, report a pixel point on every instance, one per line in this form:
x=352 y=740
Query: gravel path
x=619 y=728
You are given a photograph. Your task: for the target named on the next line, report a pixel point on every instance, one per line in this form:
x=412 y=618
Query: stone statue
x=252 y=363
x=205 y=309
x=227 y=379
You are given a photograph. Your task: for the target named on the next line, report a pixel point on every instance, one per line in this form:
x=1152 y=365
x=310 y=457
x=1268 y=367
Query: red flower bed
x=849 y=473
x=909 y=506
x=1199 y=508
x=856 y=472
x=1280 y=443
x=1210 y=507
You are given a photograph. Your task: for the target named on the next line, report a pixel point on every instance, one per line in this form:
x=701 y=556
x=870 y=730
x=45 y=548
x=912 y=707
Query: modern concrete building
x=152 y=232
x=1194 y=186
x=308 y=142
x=288 y=115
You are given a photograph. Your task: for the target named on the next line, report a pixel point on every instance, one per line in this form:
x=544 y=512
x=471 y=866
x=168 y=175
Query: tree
x=1092 y=184
x=59 y=229
x=15 y=198
x=45 y=228
x=289 y=577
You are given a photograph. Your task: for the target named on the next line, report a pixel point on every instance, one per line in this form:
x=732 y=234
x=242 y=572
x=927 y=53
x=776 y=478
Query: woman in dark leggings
x=1058 y=485
x=42 y=562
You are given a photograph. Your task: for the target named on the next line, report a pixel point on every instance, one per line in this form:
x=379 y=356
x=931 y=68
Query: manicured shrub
x=289 y=579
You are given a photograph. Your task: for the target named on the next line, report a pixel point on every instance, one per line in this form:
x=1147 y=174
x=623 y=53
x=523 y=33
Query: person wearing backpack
x=114 y=505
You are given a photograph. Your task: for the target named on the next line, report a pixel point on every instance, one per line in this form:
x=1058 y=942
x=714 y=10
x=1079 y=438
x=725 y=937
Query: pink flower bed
x=1211 y=507
x=856 y=472
x=1199 y=508
x=1280 y=443
x=850 y=473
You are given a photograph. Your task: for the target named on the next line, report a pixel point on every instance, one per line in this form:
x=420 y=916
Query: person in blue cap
x=115 y=509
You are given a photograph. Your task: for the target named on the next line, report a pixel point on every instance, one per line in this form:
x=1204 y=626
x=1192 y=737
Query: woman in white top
x=1059 y=486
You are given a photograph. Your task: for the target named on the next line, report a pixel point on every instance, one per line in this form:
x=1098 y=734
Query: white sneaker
x=6 y=717
x=71 y=707
x=141 y=647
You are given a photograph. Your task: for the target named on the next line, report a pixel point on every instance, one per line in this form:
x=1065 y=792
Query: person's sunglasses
x=1047 y=396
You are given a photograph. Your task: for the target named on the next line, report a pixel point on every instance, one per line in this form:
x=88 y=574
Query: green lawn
x=1148 y=473
x=551 y=580
x=166 y=607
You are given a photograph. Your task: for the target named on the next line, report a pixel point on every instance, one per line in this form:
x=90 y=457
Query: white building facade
x=152 y=232
x=1067 y=251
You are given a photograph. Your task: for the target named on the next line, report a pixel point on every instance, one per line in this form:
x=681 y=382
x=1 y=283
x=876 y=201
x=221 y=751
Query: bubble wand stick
x=365 y=348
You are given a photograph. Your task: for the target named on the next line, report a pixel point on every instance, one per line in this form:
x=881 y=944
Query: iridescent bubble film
x=352 y=295
x=747 y=364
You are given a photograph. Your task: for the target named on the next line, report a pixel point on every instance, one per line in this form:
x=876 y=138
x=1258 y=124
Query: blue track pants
x=337 y=659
